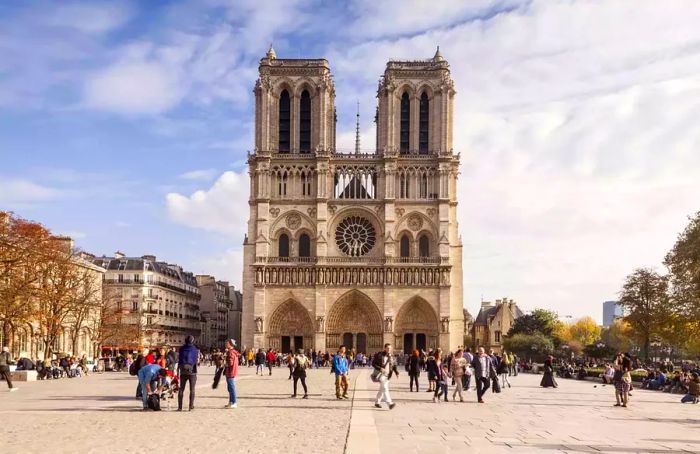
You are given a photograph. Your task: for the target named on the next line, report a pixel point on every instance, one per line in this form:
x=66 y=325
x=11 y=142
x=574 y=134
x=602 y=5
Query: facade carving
x=368 y=241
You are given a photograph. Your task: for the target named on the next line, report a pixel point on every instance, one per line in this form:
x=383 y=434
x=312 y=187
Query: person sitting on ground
x=608 y=374
x=582 y=373
x=24 y=363
x=693 y=389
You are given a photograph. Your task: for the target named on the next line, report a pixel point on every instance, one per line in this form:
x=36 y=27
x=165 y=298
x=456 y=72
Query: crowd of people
x=59 y=366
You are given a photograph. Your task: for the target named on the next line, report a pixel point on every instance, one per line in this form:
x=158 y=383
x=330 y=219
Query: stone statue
x=320 y=322
x=445 y=324
x=388 y=324
x=258 y=324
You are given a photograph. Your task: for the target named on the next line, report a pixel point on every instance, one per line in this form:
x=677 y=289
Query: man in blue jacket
x=187 y=370
x=340 y=365
x=151 y=378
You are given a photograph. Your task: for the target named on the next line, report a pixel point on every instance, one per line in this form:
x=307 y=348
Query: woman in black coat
x=414 y=367
x=548 y=378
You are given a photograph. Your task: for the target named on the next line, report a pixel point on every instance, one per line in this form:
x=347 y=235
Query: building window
x=137 y=278
x=405 y=246
x=423 y=246
x=134 y=306
x=405 y=123
x=304 y=245
x=424 y=186
x=282 y=184
x=306 y=183
x=285 y=122
x=497 y=336
x=305 y=122
x=423 y=124
x=404 y=186
x=283 y=245
x=120 y=278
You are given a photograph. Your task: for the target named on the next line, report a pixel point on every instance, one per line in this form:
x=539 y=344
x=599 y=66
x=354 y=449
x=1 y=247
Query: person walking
x=290 y=364
x=171 y=360
x=5 y=361
x=271 y=358
x=187 y=367
x=301 y=363
x=259 y=361
x=340 y=366
x=467 y=378
x=548 y=376
x=218 y=359
x=431 y=367
x=414 y=368
x=504 y=370
x=384 y=366
x=483 y=372
x=231 y=372
x=458 y=369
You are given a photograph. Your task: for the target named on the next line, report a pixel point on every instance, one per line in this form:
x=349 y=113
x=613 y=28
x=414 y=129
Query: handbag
x=375 y=376
x=495 y=386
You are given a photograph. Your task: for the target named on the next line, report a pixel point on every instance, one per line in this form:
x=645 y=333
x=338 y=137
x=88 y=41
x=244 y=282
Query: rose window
x=355 y=236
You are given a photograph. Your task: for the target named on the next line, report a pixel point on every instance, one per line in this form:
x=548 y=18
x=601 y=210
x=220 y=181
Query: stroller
x=171 y=386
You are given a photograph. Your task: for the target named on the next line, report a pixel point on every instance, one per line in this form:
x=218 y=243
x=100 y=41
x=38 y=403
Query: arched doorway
x=291 y=328
x=354 y=321
x=416 y=326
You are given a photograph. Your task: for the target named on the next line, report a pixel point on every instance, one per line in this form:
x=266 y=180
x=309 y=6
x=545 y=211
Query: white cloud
x=577 y=124
x=199 y=175
x=89 y=18
x=223 y=208
x=225 y=266
x=134 y=88
x=21 y=193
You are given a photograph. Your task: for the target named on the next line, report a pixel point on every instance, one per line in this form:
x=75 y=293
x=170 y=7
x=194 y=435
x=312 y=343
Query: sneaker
x=461 y=400
x=391 y=406
x=293 y=396
x=616 y=405
x=229 y=405
x=345 y=396
x=378 y=405
x=481 y=401
x=306 y=396
x=14 y=389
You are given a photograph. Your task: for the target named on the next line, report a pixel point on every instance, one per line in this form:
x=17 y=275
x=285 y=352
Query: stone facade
x=493 y=322
x=215 y=306
x=159 y=301
x=235 y=315
x=350 y=248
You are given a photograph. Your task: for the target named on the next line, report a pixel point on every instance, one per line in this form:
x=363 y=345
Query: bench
x=23 y=375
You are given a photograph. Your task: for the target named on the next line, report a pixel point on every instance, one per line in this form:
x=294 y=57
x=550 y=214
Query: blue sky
x=126 y=125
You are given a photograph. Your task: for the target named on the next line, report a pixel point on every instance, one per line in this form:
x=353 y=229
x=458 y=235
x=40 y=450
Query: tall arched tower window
x=283 y=245
x=405 y=123
x=305 y=122
x=405 y=246
x=423 y=124
x=285 y=122
x=423 y=246
x=304 y=245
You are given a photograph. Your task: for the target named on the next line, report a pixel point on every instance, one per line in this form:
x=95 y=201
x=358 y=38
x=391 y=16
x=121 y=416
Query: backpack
x=133 y=369
x=153 y=402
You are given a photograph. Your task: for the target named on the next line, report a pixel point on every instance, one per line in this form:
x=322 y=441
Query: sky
x=126 y=125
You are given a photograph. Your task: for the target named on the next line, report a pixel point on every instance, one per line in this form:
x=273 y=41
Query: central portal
x=355 y=322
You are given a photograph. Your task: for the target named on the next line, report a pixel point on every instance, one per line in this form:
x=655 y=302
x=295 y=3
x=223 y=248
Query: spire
x=271 y=55
x=438 y=55
x=357 y=130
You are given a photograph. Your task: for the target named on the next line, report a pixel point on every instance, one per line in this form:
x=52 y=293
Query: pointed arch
x=290 y=319
x=423 y=123
x=305 y=122
x=405 y=123
x=285 y=120
x=354 y=313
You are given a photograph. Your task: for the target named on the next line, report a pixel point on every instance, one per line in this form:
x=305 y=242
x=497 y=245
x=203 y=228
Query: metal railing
x=353 y=260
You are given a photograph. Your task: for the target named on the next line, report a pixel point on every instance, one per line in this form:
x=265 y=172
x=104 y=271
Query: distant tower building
x=611 y=311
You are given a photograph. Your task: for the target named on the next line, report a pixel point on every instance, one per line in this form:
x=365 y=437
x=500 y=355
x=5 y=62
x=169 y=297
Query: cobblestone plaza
x=98 y=413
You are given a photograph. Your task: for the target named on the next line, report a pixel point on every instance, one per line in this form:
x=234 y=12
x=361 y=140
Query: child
x=693 y=389
x=441 y=382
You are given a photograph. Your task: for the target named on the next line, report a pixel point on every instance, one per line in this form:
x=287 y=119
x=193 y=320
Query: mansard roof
x=146 y=264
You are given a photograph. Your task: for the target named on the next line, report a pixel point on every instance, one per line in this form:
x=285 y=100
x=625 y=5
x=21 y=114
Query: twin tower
x=354 y=249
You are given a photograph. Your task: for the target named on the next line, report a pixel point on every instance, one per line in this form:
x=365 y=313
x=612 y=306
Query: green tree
x=599 y=351
x=645 y=298
x=683 y=262
x=528 y=345
x=619 y=336
x=539 y=321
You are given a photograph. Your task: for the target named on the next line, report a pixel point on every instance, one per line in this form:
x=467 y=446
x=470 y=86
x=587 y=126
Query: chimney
x=486 y=304
x=119 y=255
x=65 y=243
x=151 y=258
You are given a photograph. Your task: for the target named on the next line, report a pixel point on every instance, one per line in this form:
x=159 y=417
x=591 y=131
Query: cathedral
x=350 y=248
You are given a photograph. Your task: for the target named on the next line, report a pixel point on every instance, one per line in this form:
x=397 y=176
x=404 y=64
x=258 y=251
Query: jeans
x=184 y=378
x=441 y=389
x=504 y=380
x=482 y=385
x=688 y=398
x=303 y=383
x=231 y=386
x=383 y=393
x=144 y=391
x=413 y=379
x=341 y=384
x=5 y=373
x=466 y=379
x=259 y=368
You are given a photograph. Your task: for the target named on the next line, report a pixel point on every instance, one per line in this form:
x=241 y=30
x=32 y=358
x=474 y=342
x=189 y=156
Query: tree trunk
x=646 y=347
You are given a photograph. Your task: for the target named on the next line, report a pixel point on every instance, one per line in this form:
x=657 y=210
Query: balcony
x=295 y=261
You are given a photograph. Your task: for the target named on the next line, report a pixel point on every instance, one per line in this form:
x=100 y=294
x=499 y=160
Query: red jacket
x=271 y=356
x=231 y=363
x=150 y=358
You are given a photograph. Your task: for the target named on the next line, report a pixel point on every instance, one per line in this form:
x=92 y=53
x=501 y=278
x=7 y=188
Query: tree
x=683 y=262
x=618 y=336
x=539 y=321
x=22 y=252
x=585 y=330
x=645 y=298
x=599 y=351
x=87 y=303
x=528 y=345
